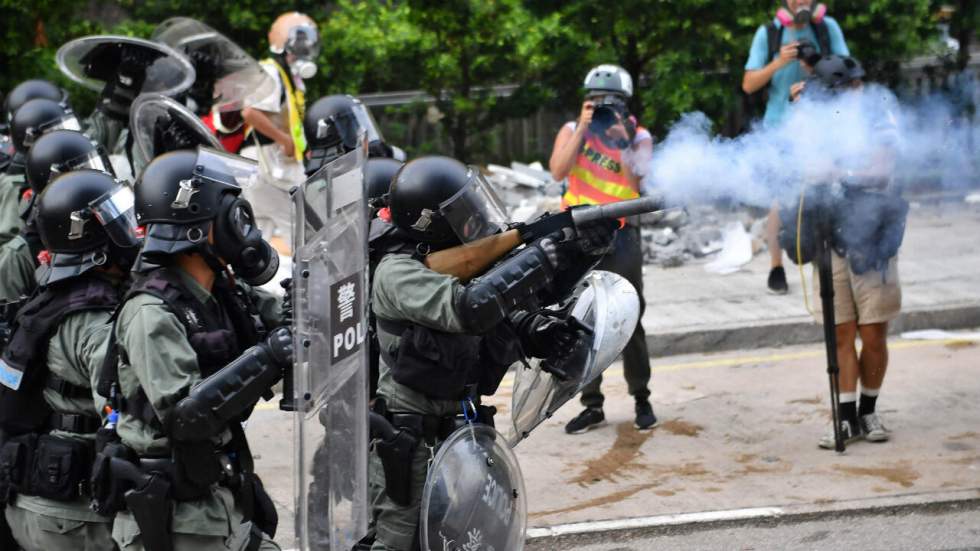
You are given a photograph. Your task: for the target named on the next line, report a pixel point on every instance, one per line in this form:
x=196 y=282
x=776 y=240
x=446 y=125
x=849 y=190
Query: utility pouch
x=396 y=457
x=61 y=468
x=16 y=461
x=108 y=488
x=435 y=363
x=196 y=468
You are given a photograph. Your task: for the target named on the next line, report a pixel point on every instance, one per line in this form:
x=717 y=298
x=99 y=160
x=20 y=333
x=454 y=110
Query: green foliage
x=683 y=54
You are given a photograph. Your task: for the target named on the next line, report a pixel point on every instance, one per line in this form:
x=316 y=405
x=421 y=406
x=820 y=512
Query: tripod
x=823 y=259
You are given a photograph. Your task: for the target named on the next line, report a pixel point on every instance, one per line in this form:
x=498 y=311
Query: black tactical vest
x=218 y=335
x=25 y=410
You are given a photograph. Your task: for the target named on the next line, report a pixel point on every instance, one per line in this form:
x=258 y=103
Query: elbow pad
x=488 y=299
x=224 y=396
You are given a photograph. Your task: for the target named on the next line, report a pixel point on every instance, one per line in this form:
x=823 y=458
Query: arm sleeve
x=270 y=103
x=837 y=43
x=158 y=352
x=91 y=352
x=268 y=304
x=405 y=290
x=18 y=269
x=759 y=50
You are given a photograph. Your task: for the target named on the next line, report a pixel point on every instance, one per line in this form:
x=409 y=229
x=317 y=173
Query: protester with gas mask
x=49 y=408
x=197 y=346
x=276 y=139
x=800 y=32
x=869 y=224
x=603 y=155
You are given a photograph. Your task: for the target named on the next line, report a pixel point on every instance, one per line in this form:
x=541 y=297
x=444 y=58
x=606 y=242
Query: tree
x=466 y=47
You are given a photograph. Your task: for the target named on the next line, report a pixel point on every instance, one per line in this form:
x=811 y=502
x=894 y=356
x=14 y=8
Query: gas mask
x=238 y=241
x=303 y=69
x=804 y=15
x=303 y=44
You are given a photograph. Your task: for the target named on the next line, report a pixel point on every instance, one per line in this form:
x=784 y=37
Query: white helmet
x=609 y=78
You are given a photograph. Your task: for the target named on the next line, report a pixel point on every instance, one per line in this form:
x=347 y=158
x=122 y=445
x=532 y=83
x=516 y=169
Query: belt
x=70 y=422
x=432 y=428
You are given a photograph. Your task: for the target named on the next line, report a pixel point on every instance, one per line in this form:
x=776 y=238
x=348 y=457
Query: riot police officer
x=444 y=343
x=49 y=408
x=332 y=126
x=54 y=153
x=197 y=348
x=31 y=119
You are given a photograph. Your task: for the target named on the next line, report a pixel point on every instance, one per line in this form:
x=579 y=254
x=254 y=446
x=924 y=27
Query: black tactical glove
x=544 y=335
x=286 y=314
x=596 y=238
x=279 y=345
x=174 y=136
x=549 y=246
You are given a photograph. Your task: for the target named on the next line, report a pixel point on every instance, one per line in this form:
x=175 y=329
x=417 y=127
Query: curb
x=797 y=330
x=674 y=523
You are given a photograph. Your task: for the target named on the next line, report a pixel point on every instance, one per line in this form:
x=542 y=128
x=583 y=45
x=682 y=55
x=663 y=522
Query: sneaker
x=873 y=429
x=590 y=418
x=645 y=419
x=777 y=281
x=849 y=433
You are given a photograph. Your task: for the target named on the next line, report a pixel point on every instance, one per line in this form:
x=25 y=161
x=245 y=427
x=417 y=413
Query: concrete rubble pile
x=671 y=238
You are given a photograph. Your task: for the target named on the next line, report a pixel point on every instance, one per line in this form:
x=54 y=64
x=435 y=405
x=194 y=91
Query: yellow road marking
x=508 y=381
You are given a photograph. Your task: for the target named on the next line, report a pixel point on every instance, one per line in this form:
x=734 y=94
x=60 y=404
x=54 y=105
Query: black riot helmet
x=26 y=91
x=182 y=196
x=36 y=117
x=834 y=73
x=85 y=219
x=378 y=175
x=441 y=202
x=332 y=125
x=62 y=151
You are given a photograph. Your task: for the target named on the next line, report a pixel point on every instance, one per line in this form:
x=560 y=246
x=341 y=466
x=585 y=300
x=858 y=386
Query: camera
x=807 y=52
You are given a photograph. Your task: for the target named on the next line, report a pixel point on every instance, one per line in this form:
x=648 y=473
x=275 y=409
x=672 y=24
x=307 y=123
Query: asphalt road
x=931 y=527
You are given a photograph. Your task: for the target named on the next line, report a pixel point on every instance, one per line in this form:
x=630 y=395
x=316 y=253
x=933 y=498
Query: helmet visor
x=475 y=211
x=67 y=122
x=303 y=42
x=349 y=125
x=114 y=210
x=219 y=165
x=97 y=159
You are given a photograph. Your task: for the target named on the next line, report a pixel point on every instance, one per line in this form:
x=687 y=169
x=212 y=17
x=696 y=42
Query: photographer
x=868 y=223
x=799 y=31
x=603 y=155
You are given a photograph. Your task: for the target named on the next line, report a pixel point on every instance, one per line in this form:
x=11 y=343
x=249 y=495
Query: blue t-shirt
x=792 y=73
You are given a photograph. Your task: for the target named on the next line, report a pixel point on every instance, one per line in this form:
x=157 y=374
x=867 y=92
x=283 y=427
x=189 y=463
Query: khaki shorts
x=872 y=297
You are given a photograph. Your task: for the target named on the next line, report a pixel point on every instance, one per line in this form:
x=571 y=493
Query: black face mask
x=238 y=241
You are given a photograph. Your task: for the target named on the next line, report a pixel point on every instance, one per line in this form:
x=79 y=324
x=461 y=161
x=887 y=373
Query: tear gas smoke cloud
x=822 y=140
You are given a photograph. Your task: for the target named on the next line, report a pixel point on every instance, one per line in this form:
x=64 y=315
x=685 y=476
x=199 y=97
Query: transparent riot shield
x=607 y=304
x=226 y=75
x=90 y=60
x=159 y=124
x=474 y=495
x=330 y=378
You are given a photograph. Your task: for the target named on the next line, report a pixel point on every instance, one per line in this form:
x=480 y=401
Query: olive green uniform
x=10 y=192
x=162 y=362
x=17 y=266
x=405 y=290
x=75 y=354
